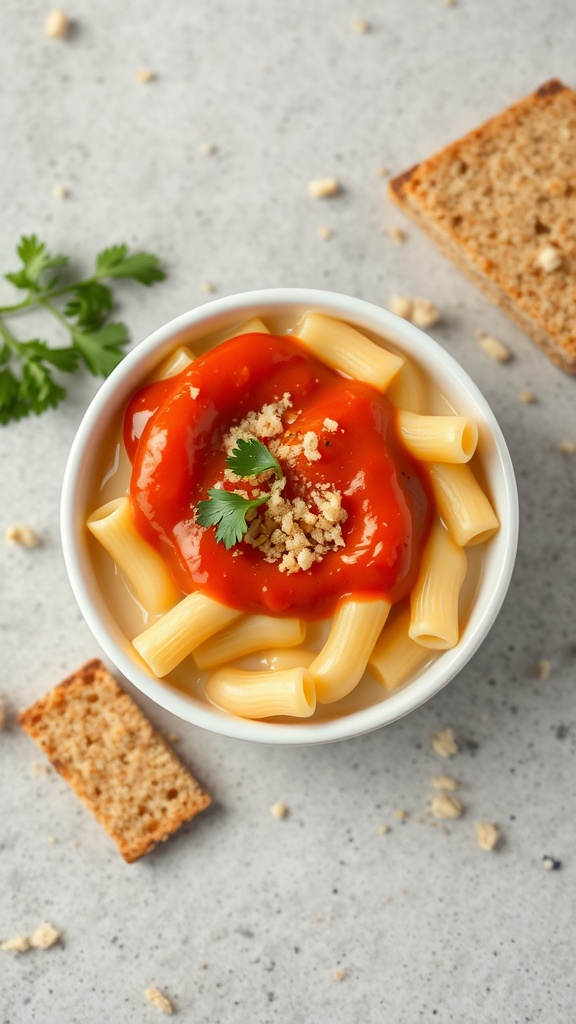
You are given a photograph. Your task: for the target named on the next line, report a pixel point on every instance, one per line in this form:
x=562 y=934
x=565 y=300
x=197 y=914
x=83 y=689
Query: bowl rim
x=125 y=378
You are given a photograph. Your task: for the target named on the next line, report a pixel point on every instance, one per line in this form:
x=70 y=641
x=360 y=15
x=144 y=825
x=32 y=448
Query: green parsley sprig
x=227 y=510
x=27 y=383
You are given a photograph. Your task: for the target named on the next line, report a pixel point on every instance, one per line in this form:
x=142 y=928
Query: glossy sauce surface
x=173 y=433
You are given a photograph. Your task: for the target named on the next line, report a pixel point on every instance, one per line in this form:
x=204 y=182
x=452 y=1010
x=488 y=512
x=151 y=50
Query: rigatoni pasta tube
x=343 y=348
x=253 y=326
x=438 y=438
x=461 y=502
x=434 y=597
x=408 y=389
x=248 y=634
x=396 y=655
x=340 y=664
x=173 y=637
x=113 y=526
x=263 y=694
x=175 y=363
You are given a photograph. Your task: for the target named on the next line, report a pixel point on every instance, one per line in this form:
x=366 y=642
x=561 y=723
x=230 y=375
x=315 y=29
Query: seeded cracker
x=106 y=749
x=501 y=203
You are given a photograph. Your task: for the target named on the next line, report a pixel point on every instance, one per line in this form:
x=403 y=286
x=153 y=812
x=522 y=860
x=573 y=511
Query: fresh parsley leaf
x=227 y=510
x=38 y=389
x=140 y=266
x=35 y=260
x=252 y=457
x=65 y=359
x=101 y=350
x=90 y=305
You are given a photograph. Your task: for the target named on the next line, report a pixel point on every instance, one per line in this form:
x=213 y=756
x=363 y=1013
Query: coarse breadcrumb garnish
x=360 y=25
x=550 y=863
x=145 y=75
x=396 y=234
x=330 y=425
x=567 y=447
x=60 y=192
x=324 y=188
x=160 y=1001
x=444 y=806
x=279 y=810
x=445 y=782
x=543 y=669
x=324 y=231
x=194 y=392
x=527 y=396
x=401 y=813
x=444 y=743
x=494 y=349
x=207 y=286
x=383 y=829
x=22 y=535
x=548 y=259
x=17 y=944
x=44 y=936
x=56 y=25
x=339 y=974
x=487 y=835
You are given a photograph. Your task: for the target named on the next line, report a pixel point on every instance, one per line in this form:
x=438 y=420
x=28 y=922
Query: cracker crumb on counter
x=23 y=536
x=360 y=25
x=60 y=192
x=527 y=396
x=421 y=312
x=207 y=286
x=44 y=936
x=17 y=944
x=548 y=259
x=487 y=835
x=383 y=829
x=324 y=231
x=543 y=669
x=339 y=974
x=444 y=743
x=207 y=149
x=551 y=863
x=56 y=25
x=396 y=234
x=567 y=447
x=158 y=999
x=401 y=813
x=2 y=712
x=444 y=806
x=323 y=188
x=445 y=782
x=51 y=839
x=401 y=305
x=144 y=75
x=279 y=809
x=494 y=349
x=383 y=172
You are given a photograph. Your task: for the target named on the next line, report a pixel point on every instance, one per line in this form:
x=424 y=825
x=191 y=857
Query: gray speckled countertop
x=426 y=926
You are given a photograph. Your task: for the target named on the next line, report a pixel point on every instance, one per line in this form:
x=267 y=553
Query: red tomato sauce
x=174 y=438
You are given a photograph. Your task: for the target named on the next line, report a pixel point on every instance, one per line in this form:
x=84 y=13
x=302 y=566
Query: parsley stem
x=9 y=338
x=39 y=298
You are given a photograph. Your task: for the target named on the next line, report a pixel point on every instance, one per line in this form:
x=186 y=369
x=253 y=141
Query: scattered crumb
x=174 y=737
x=324 y=231
x=548 y=259
x=383 y=830
x=396 y=234
x=445 y=782
x=2 y=714
x=18 y=944
x=495 y=349
x=444 y=743
x=161 y=1002
x=279 y=810
x=567 y=447
x=319 y=918
x=60 y=192
x=323 y=188
x=40 y=768
x=202 y=965
x=444 y=806
x=487 y=835
x=207 y=149
x=424 y=313
x=145 y=75
x=383 y=172
x=331 y=425
x=339 y=974
x=402 y=305
x=543 y=669
x=207 y=286
x=24 y=536
x=51 y=839
x=527 y=396
x=56 y=25
x=548 y=863
x=401 y=814
x=44 y=937
x=360 y=25
x=449 y=3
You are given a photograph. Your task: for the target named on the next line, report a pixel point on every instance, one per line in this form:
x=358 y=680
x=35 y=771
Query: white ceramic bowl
x=223 y=314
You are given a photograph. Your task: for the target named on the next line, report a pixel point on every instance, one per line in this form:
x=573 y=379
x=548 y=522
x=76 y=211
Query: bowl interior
x=483 y=593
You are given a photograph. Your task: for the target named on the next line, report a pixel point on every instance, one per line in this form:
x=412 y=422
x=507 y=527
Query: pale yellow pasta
x=248 y=634
x=343 y=348
x=395 y=655
x=408 y=389
x=253 y=326
x=463 y=505
x=113 y=526
x=342 y=661
x=173 y=637
x=438 y=438
x=434 y=597
x=289 y=657
x=263 y=694
x=175 y=363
